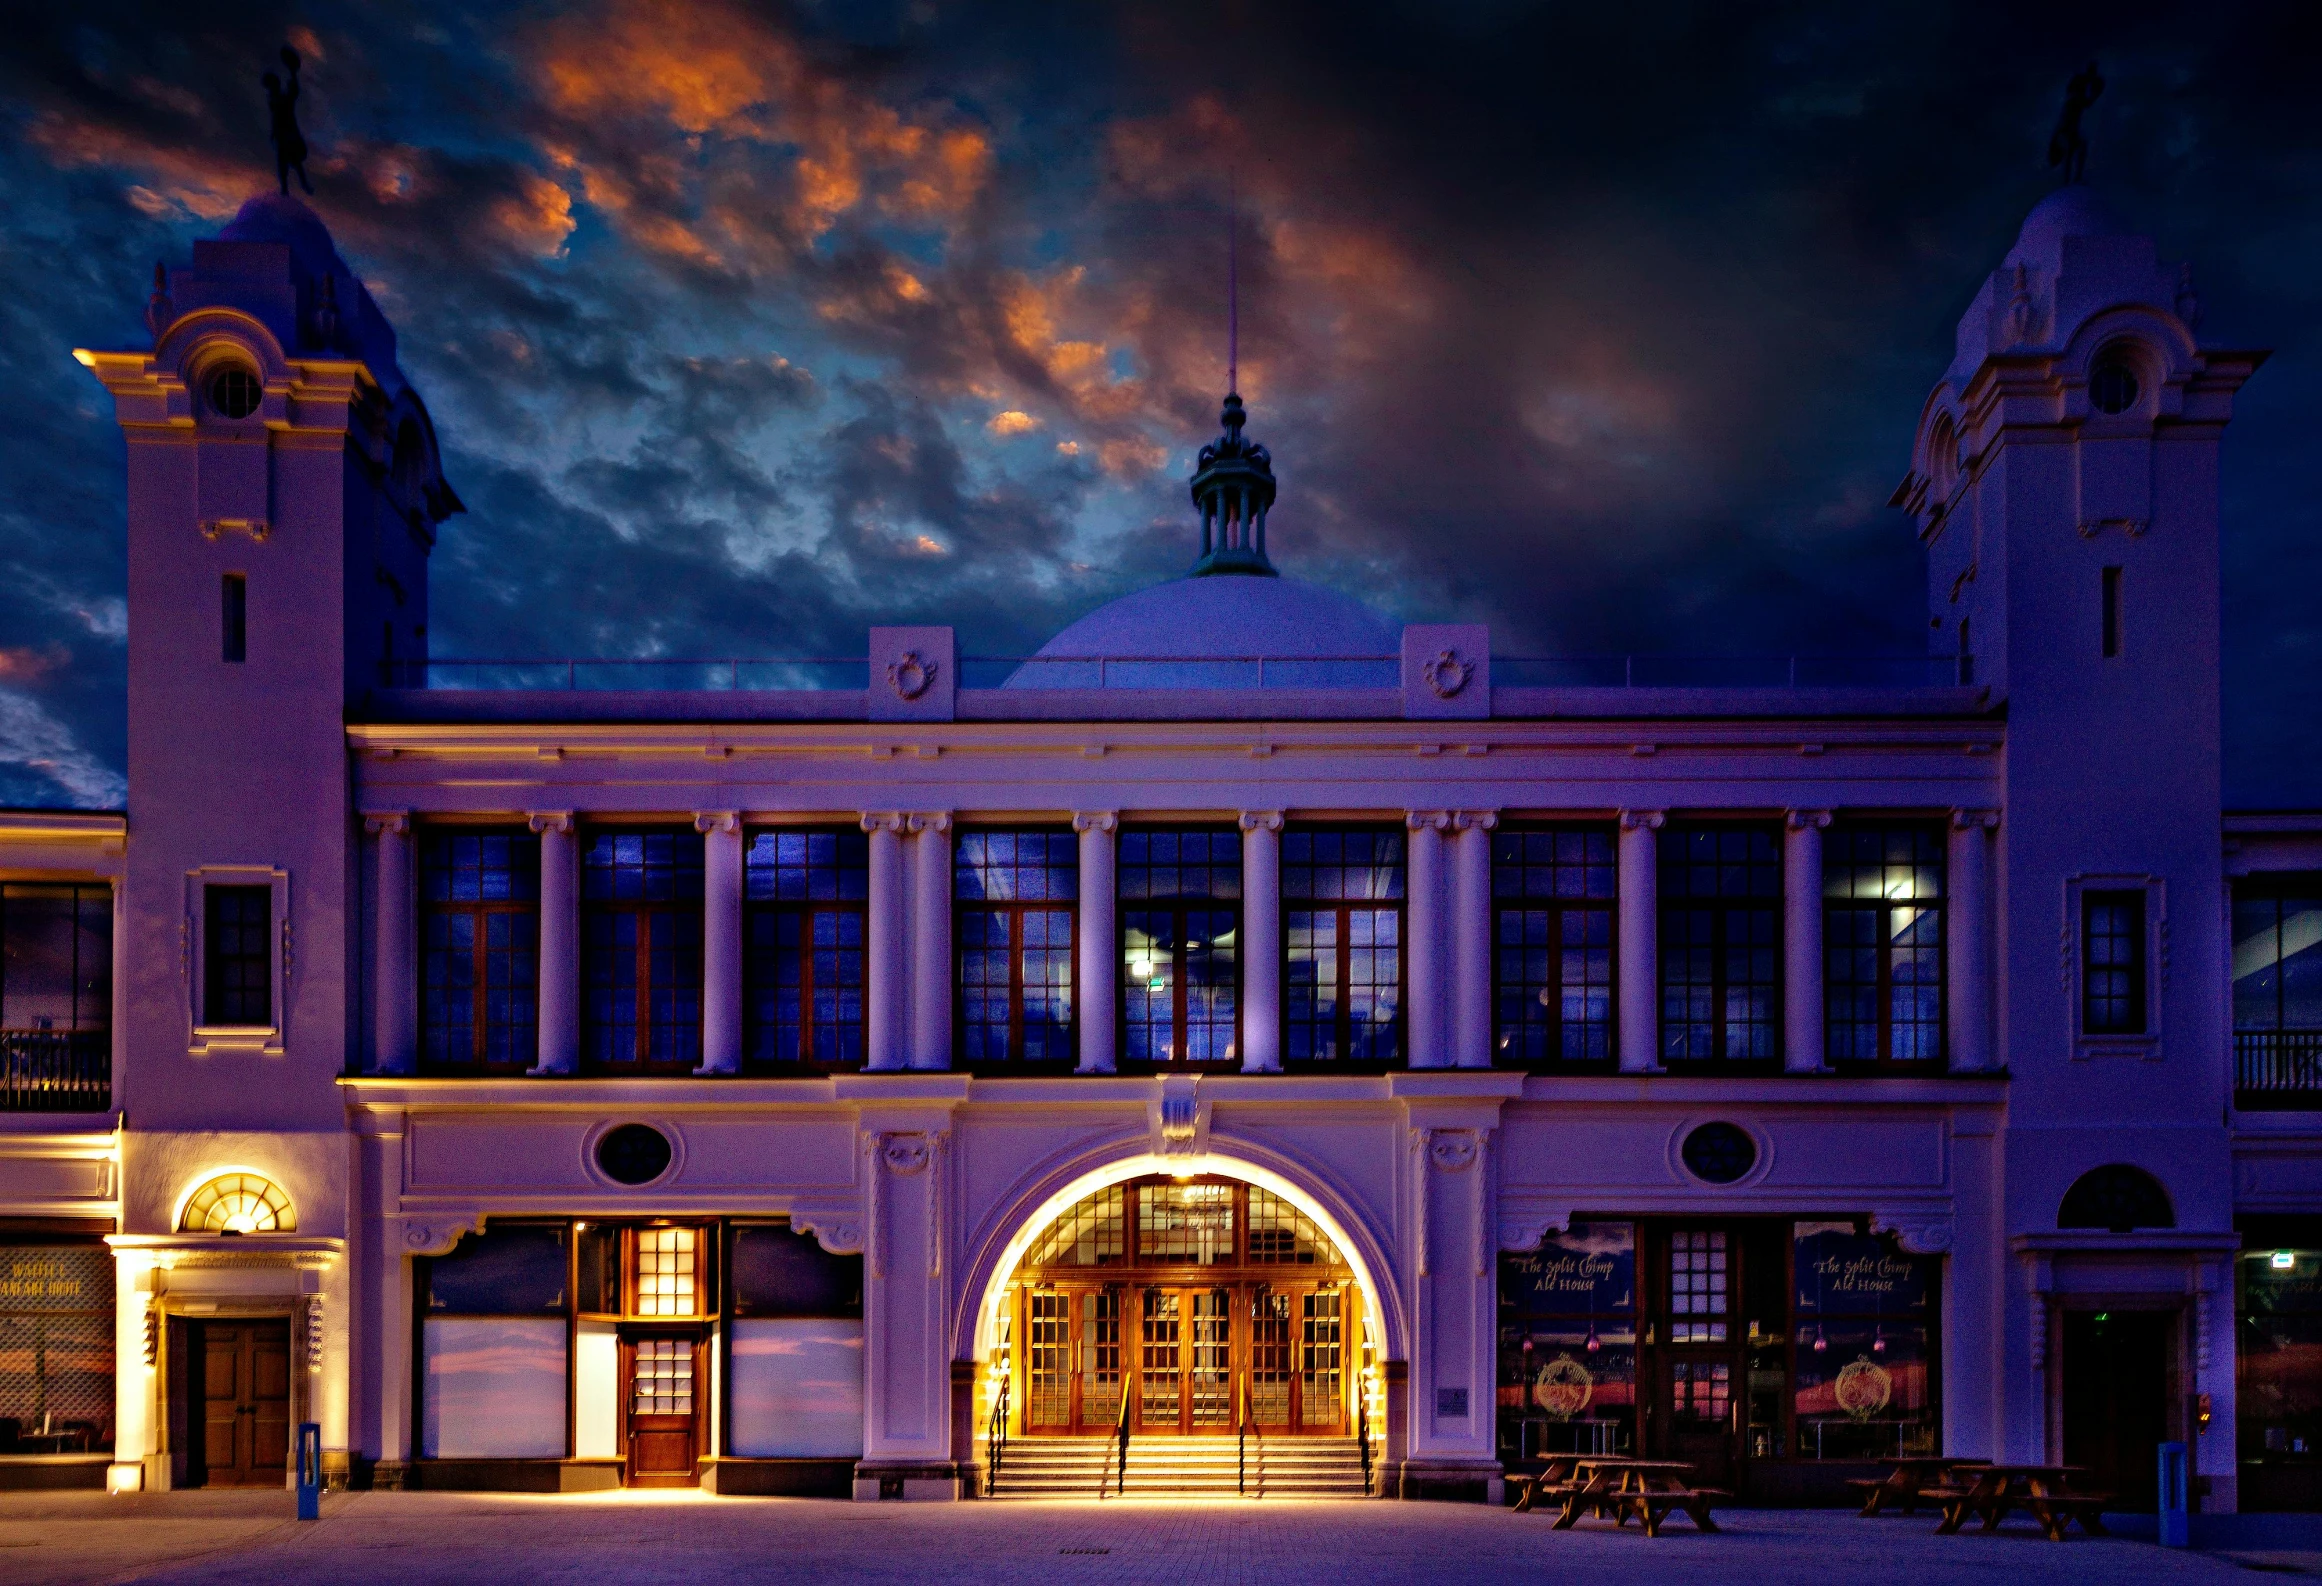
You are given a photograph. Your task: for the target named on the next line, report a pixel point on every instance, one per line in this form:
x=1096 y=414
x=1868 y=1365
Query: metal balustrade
x=56 y=1070
x=2279 y=1069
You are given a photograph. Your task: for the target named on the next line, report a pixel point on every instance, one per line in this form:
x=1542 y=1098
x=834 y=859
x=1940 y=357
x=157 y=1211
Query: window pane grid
x=661 y=1382
x=641 y=895
x=665 y=1272
x=56 y=957
x=479 y=949
x=239 y=986
x=1698 y=1288
x=2112 y=963
x=1013 y=934
x=1342 y=979
x=1883 y=943
x=1720 y=944
x=803 y=966
x=2277 y=955
x=1553 y=933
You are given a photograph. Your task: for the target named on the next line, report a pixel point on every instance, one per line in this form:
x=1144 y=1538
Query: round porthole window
x=1719 y=1153
x=235 y=392
x=2112 y=386
x=635 y=1153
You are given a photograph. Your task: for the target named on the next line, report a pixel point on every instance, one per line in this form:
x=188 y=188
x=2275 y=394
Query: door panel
x=1161 y=1363
x=1271 y=1356
x=2116 y=1399
x=270 y=1399
x=1048 y=1360
x=1210 y=1380
x=1321 y=1360
x=665 y=1399
x=225 y=1448
x=1697 y=1415
x=1100 y=1359
x=245 y=1409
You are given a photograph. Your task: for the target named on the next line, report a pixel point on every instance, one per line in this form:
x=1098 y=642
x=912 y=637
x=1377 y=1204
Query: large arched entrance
x=1189 y=1306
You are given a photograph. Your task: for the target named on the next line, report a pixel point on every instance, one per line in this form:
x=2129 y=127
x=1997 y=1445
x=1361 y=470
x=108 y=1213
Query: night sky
x=746 y=327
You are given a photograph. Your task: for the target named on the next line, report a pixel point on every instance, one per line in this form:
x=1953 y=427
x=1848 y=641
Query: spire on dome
x=1233 y=481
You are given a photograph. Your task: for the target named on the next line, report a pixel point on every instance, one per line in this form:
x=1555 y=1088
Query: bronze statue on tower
x=2068 y=145
x=282 y=111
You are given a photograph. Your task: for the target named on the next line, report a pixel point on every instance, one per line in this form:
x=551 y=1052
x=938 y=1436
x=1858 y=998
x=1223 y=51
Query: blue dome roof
x=273 y=217
x=1212 y=632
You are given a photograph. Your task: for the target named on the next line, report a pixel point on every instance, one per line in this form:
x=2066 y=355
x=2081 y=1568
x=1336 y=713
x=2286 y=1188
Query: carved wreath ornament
x=910 y=676
x=1447 y=674
x=905 y=1154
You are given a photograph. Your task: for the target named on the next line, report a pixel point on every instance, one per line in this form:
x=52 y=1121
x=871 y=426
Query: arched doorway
x=1193 y=1305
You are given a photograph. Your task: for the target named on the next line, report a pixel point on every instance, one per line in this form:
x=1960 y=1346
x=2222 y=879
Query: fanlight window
x=2117 y=1198
x=238 y=1203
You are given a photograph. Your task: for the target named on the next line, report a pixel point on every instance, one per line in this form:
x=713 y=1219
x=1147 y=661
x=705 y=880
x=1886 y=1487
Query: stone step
x=1081 y=1467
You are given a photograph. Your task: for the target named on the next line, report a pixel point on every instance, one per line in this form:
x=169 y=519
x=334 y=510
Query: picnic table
x=1646 y=1488
x=2045 y=1492
x=1905 y=1482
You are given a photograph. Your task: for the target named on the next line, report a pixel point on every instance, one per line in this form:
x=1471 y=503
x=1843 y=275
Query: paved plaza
x=49 y=1540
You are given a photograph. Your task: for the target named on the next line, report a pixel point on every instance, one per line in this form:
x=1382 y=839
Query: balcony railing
x=2277 y=1068
x=56 y=1071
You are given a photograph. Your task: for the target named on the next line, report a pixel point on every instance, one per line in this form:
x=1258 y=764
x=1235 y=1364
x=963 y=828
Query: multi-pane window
x=667 y=1267
x=1342 y=943
x=2112 y=963
x=641 y=948
x=1180 y=904
x=662 y=1381
x=1016 y=894
x=1186 y=1222
x=1553 y=891
x=1721 y=943
x=1882 y=943
x=1282 y=1235
x=56 y=957
x=1699 y=1288
x=237 y=981
x=802 y=982
x=479 y=972
x=2277 y=954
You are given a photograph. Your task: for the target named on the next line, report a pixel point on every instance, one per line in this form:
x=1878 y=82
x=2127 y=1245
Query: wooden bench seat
x=1879 y=1491
x=1652 y=1507
x=2057 y=1510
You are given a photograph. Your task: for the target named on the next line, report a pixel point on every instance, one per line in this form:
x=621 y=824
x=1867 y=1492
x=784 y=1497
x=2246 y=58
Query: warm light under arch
x=237 y=1201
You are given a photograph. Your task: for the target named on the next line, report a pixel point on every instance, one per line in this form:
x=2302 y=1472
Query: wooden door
x=1187 y=1360
x=665 y=1404
x=2116 y=1400
x=1700 y=1413
x=245 y=1403
x=1323 y=1317
x=1160 y=1360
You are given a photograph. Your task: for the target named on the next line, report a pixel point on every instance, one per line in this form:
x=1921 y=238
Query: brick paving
x=401 y=1538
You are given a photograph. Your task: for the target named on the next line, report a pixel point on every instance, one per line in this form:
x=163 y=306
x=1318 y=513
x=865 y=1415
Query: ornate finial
x=1233 y=481
x=282 y=113
x=2068 y=145
x=159 y=310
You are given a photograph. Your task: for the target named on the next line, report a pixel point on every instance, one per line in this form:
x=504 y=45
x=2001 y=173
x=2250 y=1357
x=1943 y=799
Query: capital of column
x=930 y=821
x=1426 y=820
x=1475 y=820
x=549 y=820
x=1970 y=819
x=717 y=821
x=888 y=821
x=1800 y=820
x=1095 y=820
x=1645 y=820
x=396 y=821
x=1259 y=820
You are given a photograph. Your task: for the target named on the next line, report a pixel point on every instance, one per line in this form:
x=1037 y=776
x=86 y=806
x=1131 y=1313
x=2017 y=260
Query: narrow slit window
x=234 y=615
x=2111 y=612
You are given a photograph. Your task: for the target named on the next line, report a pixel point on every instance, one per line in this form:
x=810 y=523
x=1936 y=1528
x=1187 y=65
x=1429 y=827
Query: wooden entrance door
x=2117 y=1373
x=1700 y=1413
x=1185 y=1364
x=1073 y=1366
x=665 y=1404
x=1697 y=1399
x=245 y=1408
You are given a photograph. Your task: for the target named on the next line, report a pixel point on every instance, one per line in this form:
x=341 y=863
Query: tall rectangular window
x=802 y=971
x=2111 y=611
x=1180 y=905
x=1016 y=900
x=1721 y=943
x=1553 y=891
x=2277 y=954
x=1342 y=944
x=1882 y=943
x=234 y=615
x=479 y=973
x=237 y=982
x=2112 y=963
x=641 y=899
x=56 y=958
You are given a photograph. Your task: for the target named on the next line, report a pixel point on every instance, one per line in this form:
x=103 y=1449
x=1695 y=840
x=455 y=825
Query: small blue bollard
x=309 y=1471
x=2176 y=1528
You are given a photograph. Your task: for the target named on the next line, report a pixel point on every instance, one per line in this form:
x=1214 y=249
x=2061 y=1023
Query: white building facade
x=1247 y=1020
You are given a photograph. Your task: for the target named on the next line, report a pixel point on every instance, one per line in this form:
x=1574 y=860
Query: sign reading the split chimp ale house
x=1844 y=1273
x=1588 y=1270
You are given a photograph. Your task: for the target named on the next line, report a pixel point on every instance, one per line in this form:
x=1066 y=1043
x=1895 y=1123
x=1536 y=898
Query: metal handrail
x=1363 y=1430
x=1121 y=1433
x=1241 y=1438
x=996 y=1440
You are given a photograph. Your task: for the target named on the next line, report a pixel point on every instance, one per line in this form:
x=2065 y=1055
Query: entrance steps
x=1168 y=1467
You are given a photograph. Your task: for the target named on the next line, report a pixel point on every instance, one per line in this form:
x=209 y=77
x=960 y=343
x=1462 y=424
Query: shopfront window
x=56 y=1348
x=1865 y=1349
x=1568 y=1345
x=493 y=1346
x=797 y=1342
x=2279 y=1353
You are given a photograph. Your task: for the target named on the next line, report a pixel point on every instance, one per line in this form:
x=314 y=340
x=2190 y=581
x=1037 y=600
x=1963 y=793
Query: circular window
x=1719 y=1153
x=2112 y=386
x=235 y=392
x=635 y=1153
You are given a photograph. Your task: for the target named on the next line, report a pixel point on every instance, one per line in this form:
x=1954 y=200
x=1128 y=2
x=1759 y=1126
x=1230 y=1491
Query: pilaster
x=1261 y=941
x=395 y=997
x=1802 y=1046
x=559 y=942
x=1097 y=946
x=1638 y=948
x=721 y=942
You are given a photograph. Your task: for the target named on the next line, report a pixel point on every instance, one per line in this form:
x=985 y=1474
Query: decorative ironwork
x=2277 y=1069
x=56 y=1070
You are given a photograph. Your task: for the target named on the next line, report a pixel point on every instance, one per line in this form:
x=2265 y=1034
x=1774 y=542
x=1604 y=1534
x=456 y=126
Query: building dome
x=276 y=217
x=1210 y=632
x=2070 y=211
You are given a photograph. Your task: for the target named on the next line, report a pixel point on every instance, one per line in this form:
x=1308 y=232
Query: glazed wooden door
x=245 y=1410
x=1324 y=1315
x=666 y=1401
x=2116 y=1396
x=1161 y=1360
x=1697 y=1388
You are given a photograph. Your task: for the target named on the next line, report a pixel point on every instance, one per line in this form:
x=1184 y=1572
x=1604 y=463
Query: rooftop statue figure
x=2068 y=145
x=282 y=111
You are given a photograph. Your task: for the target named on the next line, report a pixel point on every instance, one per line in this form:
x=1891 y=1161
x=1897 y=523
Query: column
x=721 y=942
x=1471 y=934
x=1261 y=941
x=931 y=940
x=1424 y=947
x=1967 y=924
x=1802 y=941
x=1639 y=946
x=1097 y=943
x=559 y=943
x=135 y=1392
x=883 y=945
x=395 y=995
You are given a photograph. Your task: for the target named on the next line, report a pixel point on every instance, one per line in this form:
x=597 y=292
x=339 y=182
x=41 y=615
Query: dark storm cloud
x=745 y=326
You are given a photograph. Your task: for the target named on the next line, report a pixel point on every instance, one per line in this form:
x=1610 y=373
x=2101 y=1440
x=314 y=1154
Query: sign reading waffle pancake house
x=1249 y=1024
